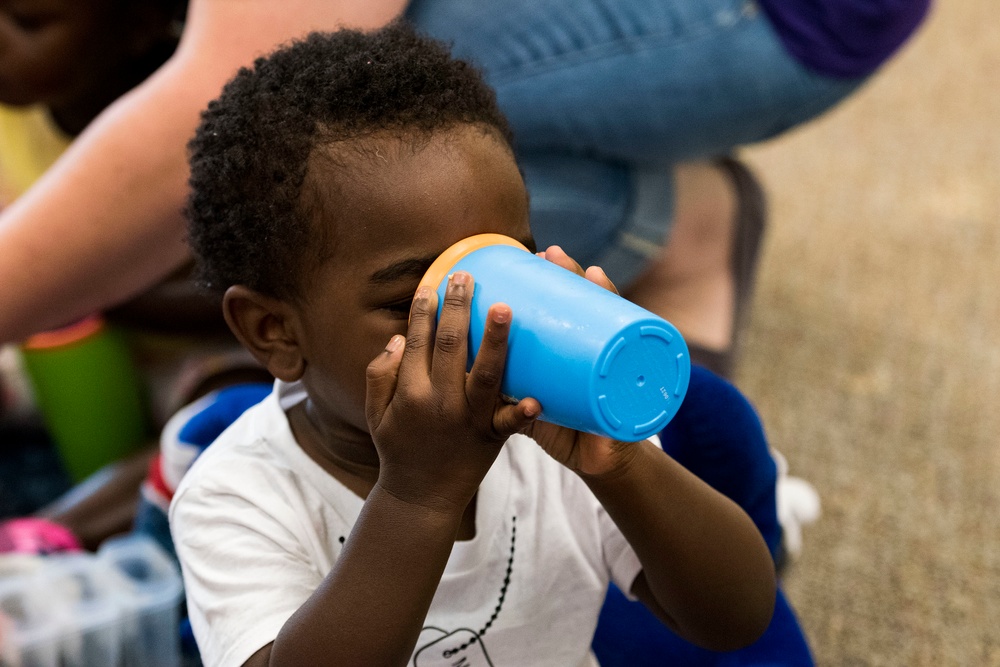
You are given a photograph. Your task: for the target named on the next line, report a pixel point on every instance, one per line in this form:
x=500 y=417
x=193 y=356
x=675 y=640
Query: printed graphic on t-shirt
x=464 y=647
x=459 y=648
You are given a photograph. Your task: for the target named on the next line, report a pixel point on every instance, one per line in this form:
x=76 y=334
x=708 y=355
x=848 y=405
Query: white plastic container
x=30 y=629
x=119 y=608
x=89 y=592
x=150 y=602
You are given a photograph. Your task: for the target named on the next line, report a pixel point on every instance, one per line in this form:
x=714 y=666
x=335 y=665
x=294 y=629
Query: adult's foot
x=703 y=278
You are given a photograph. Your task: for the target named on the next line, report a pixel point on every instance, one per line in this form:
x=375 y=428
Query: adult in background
x=619 y=108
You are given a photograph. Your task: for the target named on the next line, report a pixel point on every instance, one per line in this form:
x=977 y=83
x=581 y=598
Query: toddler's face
x=402 y=208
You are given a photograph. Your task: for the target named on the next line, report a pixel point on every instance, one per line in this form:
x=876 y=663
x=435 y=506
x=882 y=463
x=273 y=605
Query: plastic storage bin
x=30 y=629
x=150 y=601
x=87 y=592
x=119 y=608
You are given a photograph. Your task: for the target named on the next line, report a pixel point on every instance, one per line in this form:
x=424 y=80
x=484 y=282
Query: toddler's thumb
x=381 y=378
x=511 y=419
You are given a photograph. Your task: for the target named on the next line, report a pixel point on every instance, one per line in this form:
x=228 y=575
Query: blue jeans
x=605 y=96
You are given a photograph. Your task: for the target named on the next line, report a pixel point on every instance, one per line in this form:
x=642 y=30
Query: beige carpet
x=874 y=351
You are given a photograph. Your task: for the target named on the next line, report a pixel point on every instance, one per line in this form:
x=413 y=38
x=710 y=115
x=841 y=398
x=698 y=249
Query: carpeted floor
x=874 y=351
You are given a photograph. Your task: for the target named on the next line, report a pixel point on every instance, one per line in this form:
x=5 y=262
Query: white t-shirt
x=258 y=524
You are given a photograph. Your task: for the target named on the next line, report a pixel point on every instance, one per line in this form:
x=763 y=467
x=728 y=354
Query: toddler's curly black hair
x=249 y=221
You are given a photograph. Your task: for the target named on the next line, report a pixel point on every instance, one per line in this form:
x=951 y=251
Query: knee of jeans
x=818 y=95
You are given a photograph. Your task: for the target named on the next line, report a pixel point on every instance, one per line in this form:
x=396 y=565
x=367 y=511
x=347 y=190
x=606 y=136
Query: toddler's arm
x=437 y=431
x=707 y=572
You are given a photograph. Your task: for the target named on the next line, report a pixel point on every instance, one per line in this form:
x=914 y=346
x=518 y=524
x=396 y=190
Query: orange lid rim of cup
x=441 y=267
x=66 y=335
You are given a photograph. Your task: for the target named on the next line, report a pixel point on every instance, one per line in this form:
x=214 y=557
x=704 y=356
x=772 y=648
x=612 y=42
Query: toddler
x=383 y=506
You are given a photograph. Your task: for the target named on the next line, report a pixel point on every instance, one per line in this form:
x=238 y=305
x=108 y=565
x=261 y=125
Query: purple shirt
x=844 y=38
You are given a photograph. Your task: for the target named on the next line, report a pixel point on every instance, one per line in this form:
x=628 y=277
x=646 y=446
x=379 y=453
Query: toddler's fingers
x=483 y=382
x=382 y=375
x=451 y=340
x=558 y=256
x=596 y=275
x=416 y=362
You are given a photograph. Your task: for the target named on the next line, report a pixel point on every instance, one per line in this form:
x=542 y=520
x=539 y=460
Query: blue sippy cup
x=595 y=361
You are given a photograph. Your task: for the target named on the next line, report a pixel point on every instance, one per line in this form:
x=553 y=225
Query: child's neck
x=352 y=461
x=348 y=457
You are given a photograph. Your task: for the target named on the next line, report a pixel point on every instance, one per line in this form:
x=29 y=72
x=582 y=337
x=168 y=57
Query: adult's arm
x=105 y=222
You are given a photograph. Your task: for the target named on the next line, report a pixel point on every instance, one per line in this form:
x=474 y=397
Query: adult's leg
x=691 y=280
x=641 y=82
x=606 y=98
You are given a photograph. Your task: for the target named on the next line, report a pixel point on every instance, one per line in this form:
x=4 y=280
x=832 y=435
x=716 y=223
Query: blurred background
x=873 y=353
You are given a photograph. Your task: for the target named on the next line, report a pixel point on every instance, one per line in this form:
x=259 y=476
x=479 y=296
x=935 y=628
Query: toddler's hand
x=585 y=453
x=438 y=429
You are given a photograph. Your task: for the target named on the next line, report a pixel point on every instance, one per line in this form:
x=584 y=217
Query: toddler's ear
x=266 y=327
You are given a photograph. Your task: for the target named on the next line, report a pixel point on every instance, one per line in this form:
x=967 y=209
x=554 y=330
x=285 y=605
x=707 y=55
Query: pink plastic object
x=36 y=536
